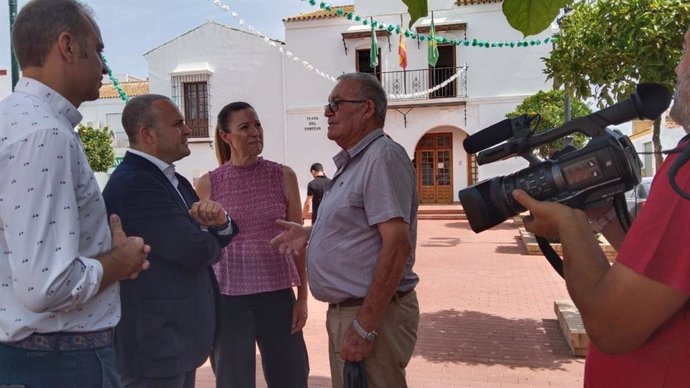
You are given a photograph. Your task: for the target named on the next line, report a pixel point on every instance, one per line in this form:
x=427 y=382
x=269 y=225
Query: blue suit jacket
x=168 y=313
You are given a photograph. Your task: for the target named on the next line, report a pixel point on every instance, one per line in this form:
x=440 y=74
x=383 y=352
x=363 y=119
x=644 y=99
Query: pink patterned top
x=254 y=196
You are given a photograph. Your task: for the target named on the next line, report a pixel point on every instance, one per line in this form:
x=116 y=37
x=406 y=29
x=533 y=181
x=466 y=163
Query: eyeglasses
x=335 y=104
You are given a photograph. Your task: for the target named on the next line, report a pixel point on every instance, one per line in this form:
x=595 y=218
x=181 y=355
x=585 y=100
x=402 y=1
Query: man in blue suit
x=168 y=313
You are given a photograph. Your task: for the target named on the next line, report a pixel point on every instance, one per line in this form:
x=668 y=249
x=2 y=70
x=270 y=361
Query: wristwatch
x=221 y=227
x=370 y=336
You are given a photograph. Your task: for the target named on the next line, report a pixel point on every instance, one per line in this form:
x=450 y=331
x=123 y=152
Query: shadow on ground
x=440 y=242
x=464 y=224
x=319 y=382
x=472 y=337
x=510 y=249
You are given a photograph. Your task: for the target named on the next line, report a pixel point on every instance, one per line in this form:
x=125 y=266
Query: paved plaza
x=487 y=317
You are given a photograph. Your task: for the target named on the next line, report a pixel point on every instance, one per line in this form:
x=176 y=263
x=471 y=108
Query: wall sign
x=313 y=123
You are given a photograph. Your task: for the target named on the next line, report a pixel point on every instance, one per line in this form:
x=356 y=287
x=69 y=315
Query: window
x=648 y=159
x=363 y=60
x=191 y=94
x=196 y=108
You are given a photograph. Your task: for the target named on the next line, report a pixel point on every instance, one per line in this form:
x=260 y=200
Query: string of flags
x=116 y=83
x=397 y=29
x=309 y=67
x=402 y=48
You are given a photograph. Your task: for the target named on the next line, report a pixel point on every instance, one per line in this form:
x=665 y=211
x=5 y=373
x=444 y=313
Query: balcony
x=410 y=84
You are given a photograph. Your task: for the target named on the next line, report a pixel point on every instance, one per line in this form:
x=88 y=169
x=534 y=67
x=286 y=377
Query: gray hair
x=40 y=23
x=139 y=112
x=370 y=88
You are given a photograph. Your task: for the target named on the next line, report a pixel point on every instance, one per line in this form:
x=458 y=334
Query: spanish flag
x=402 y=51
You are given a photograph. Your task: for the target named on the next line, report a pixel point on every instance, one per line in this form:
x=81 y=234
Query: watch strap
x=370 y=336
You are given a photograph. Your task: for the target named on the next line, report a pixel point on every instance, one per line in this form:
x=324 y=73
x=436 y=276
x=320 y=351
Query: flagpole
x=404 y=68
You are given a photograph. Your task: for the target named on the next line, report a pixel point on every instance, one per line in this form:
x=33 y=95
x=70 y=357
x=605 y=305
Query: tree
x=98 y=148
x=549 y=106
x=606 y=47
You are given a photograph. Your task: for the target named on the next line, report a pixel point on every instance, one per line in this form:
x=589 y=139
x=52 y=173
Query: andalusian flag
x=402 y=51
x=374 y=54
x=433 y=45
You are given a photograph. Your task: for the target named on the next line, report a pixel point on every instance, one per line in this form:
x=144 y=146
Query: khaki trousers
x=397 y=335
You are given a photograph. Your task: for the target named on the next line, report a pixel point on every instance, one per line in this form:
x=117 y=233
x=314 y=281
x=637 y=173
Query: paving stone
x=487 y=317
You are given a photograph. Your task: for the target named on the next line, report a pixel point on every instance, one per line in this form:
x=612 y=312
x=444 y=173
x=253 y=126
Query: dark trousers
x=265 y=320
x=185 y=380
x=92 y=368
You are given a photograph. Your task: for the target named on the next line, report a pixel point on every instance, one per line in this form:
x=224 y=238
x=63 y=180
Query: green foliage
x=97 y=144
x=611 y=45
x=614 y=44
x=532 y=16
x=416 y=9
x=550 y=107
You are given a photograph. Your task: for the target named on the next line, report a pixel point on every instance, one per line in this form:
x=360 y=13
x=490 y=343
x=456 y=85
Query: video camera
x=606 y=166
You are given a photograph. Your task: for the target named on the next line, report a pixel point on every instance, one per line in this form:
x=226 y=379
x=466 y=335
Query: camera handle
x=556 y=261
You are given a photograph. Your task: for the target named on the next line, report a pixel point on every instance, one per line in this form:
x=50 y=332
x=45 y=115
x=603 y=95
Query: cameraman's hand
x=547 y=218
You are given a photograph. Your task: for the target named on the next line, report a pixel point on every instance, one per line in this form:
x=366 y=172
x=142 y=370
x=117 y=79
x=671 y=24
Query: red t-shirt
x=658 y=247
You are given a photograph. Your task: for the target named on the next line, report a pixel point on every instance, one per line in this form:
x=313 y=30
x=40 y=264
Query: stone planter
x=531 y=247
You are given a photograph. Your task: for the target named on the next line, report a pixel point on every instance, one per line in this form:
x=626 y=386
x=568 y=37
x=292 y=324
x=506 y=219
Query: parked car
x=636 y=197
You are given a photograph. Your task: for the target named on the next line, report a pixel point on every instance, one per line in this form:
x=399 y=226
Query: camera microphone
x=497 y=133
x=649 y=101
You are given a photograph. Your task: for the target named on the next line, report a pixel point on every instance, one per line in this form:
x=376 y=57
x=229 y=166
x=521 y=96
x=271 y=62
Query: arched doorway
x=434 y=164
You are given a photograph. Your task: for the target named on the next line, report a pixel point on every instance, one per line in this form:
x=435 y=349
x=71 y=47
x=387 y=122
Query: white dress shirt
x=52 y=221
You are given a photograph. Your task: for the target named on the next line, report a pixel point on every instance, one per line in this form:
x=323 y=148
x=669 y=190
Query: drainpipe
x=13 y=58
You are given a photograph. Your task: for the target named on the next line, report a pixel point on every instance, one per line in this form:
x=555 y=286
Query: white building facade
x=212 y=65
x=492 y=81
x=209 y=67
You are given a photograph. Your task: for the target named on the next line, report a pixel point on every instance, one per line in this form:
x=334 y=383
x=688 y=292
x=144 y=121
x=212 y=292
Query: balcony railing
x=445 y=82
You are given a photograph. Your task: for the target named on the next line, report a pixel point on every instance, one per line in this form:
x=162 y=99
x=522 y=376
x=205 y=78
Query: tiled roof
x=321 y=14
x=670 y=123
x=324 y=14
x=135 y=88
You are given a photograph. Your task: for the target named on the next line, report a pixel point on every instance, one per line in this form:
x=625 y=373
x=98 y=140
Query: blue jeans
x=92 y=368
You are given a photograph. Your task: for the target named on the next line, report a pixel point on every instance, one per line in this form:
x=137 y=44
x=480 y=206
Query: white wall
x=103 y=112
x=6 y=84
x=244 y=69
x=498 y=80
x=669 y=138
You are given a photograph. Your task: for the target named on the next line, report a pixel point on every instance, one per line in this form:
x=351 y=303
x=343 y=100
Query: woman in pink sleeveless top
x=257 y=305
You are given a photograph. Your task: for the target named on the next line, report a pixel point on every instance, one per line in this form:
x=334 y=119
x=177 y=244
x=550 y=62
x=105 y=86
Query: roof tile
x=134 y=88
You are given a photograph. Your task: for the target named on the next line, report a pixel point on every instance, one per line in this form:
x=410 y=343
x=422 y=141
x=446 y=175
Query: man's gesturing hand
x=293 y=239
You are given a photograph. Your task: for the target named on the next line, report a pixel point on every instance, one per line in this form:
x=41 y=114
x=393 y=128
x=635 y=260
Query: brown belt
x=351 y=302
x=65 y=341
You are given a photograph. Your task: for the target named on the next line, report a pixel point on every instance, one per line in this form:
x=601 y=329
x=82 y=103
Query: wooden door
x=434 y=163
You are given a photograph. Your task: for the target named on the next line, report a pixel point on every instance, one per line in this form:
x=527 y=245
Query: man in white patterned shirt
x=59 y=263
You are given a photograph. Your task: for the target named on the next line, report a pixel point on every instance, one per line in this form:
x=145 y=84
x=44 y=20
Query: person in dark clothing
x=315 y=191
